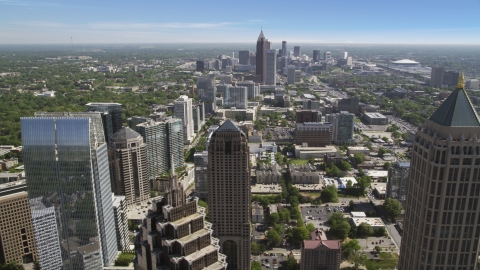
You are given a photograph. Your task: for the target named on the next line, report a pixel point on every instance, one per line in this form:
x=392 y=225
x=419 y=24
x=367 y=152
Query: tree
x=352 y=246
x=239 y=118
x=292 y=264
x=364 y=230
x=329 y=194
x=311 y=160
x=284 y=215
x=299 y=234
x=386 y=165
x=278 y=228
x=339 y=226
x=256 y=265
x=379 y=232
x=261 y=248
x=351 y=204
x=124 y=259
x=273 y=238
x=381 y=152
x=359 y=158
x=378 y=249
x=332 y=170
x=12 y=266
x=344 y=166
x=254 y=248
x=392 y=208
x=310 y=227
x=273 y=218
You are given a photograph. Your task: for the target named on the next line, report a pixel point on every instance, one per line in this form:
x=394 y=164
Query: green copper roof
x=456 y=111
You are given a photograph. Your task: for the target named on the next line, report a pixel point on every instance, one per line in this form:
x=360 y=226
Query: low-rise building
x=303 y=116
x=305 y=152
x=375 y=119
x=269 y=174
x=352 y=150
x=246 y=114
x=314 y=134
x=8 y=163
x=303 y=174
x=375 y=222
x=257 y=213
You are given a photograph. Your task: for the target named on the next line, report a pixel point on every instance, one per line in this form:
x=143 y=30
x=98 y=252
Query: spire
x=261 y=36
x=457 y=110
x=461 y=81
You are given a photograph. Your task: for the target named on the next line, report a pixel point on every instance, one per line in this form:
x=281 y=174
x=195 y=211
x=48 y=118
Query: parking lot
x=318 y=215
x=271 y=261
x=279 y=133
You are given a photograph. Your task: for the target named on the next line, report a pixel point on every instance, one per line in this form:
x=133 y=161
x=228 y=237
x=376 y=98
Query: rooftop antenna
x=71 y=42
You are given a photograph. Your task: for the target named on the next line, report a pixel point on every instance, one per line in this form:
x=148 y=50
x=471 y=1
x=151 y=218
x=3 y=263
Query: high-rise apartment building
x=229 y=193
x=252 y=89
x=207 y=92
x=244 y=57
x=320 y=253
x=436 y=76
x=398 y=181
x=17 y=241
x=46 y=235
x=296 y=51
x=271 y=67
x=316 y=55
x=442 y=213
x=66 y=160
x=343 y=124
x=175 y=235
x=128 y=166
x=198 y=113
x=200 y=161
x=121 y=222
x=284 y=48
x=345 y=55
x=327 y=56
x=164 y=141
x=183 y=110
x=260 y=57
x=235 y=96
x=314 y=134
x=291 y=74
x=111 y=116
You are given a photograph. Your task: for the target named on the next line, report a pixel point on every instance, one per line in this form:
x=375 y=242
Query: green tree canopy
x=273 y=218
x=344 y=165
x=292 y=263
x=339 y=226
x=11 y=266
x=349 y=247
x=273 y=238
x=392 y=208
x=256 y=265
x=329 y=194
x=364 y=230
x=359 y=158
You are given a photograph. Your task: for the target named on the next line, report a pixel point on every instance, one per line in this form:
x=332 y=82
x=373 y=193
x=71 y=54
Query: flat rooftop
x=372 y=221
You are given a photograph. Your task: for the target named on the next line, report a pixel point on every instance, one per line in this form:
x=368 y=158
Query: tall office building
x=252 y=89
x=309 y=104
x=235 y=96
x=229 y=193
x=175 y=235
x=17 y=241
x=296 y=51
x=207 y=92
x=291 y=74
x=327 y=56
x=316 y=55
x=450 y=78
x=436 y=76
x=201 y=183
x=111 y=116
x=260 y=57
x=398 y=181
x=284 y=48
x=343 y=124
x=65 y=158
x=271 y=67
x=200 y=65
x=442 y=211
x=345 y=55
x=314 y=134
x=183 y=110
x=198 y=113
x=128 y=166
x=244 y=57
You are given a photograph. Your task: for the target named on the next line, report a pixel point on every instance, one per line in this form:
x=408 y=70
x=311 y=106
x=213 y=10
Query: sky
x=206 y=21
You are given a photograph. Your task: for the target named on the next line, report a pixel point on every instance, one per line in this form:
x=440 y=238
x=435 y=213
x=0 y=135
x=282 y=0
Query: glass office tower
x=65 y=158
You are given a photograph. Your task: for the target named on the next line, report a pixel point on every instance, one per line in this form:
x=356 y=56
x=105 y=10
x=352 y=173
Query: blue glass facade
x=65 y=158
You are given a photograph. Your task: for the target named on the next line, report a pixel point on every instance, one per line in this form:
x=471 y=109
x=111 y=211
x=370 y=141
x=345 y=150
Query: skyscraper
x=229 y=193
x=244 y=57
x=235 y=96
x=175 y=235
x=296 y=51
x=200 y=65
x=121 y=222
x=207 y=92
x=398 y=181
x=201 y=183
x=164 y=141
x=65 y=158
x=343 y=123
x=128 y=166
x=270 y=67
x=111 y=116
x=291 y=74
x=183 y=110
x=436 y=76
x=441 y=224
x=17 y=242
x=252 y=90
x=316 y=55
x=284 y=48
x=260 y=61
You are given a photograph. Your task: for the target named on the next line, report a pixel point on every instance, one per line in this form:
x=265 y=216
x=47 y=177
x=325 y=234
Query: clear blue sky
x=173 y=21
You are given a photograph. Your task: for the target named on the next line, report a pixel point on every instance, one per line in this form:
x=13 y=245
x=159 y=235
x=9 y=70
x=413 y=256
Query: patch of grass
x=358 y=120
x=311 y=194
x=388 y=260
x=340 y=195
x=298 y=161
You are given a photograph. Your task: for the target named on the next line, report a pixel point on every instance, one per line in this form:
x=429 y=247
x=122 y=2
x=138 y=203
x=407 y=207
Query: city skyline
x=61 y=22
